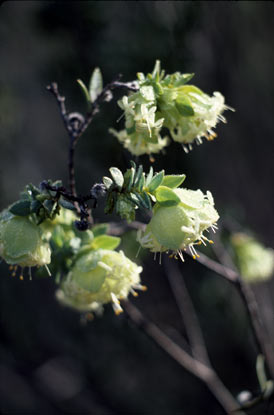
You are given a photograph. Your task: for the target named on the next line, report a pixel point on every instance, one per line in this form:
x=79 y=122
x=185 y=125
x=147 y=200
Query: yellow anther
x=11 y=267
x=194 y=256
x=21 y=277
x=210 y=241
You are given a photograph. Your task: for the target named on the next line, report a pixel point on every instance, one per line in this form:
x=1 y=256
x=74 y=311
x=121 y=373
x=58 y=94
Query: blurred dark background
x=50 y=363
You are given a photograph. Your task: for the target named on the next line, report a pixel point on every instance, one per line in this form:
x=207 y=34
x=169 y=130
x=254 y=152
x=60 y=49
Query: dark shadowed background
x=50 y=363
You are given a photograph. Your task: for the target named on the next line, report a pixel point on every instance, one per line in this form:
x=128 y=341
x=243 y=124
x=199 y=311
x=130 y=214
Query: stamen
x=48 y=270
x=30 y=276
x=181 y=255
x=134 y=293
x=140 y=287
x=116 y=304
x=138 y=252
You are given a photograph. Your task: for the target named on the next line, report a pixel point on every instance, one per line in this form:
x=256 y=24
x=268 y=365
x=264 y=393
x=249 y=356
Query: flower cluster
x=180 y=217
x=255 y=262
x=22 y=242
x=98 y=277
x=166 y=101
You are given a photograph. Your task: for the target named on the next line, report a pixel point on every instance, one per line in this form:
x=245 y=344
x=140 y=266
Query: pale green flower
x=255 y=262
x=100 y=277
x=139 y=143
x=22 y=242
x=175 y=228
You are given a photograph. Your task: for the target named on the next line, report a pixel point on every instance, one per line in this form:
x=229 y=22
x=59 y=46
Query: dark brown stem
x=76 y=124
x=196 y=368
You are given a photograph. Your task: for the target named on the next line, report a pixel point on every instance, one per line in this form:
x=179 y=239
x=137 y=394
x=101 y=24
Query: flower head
x=166 y=101
x=98 y=277
x=255 y=262
x=174 y=227
x=22 y=242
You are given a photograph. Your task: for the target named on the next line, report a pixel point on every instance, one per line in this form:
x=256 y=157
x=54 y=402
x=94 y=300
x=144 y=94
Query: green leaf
x=167 y=196
x=117 y=176
x=142 y=200
x=156 y=70
x=183 y=105
x=128 y=178
x=149 y=176
x=35 y=206
x=147 y=200
x=100 y=229
x=95 y=84
x=173 y=180
x=133 y=164
x=21 y=208
x=67 y=205
x=156 y=181
x=135 y=199
x=85 y=92
x=49 y=205
x=183 y=79
x=107 y=182
x=138 y=176
x=105 y=242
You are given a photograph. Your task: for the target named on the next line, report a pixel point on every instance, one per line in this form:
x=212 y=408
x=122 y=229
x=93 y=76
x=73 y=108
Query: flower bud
x=100 y=277
x=22 y=242
x=255 y=262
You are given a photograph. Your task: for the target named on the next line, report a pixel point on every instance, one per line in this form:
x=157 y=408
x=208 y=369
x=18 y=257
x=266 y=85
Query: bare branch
x=196 y=368
x=187 y=311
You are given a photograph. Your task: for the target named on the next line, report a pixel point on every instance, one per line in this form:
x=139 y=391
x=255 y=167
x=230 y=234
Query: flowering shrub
x=49 y=225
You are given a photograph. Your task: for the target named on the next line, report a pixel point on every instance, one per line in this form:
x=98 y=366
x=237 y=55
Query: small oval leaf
x=20 y=208
x=165 y=194
x=156 y=181
x=67 y=205
x=95 y=84
x=100 y=229
x=105 y=242
x=117 y=176
x=85 y=91
x=183 y=105
x=173 y=180
x=107 y=182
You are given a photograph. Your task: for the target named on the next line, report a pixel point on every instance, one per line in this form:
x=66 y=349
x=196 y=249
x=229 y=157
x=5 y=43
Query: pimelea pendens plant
x=52 y=227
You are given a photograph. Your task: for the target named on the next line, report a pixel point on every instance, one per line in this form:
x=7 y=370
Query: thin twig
x=259 y=331
x=196 y=368
x=187 y=311
x=76 y=124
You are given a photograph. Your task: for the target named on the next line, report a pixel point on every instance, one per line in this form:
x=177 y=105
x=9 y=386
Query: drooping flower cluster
x=98 y=277
x=22 y=242
x=255 y=262
x=166 y=101
x=179 y=220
